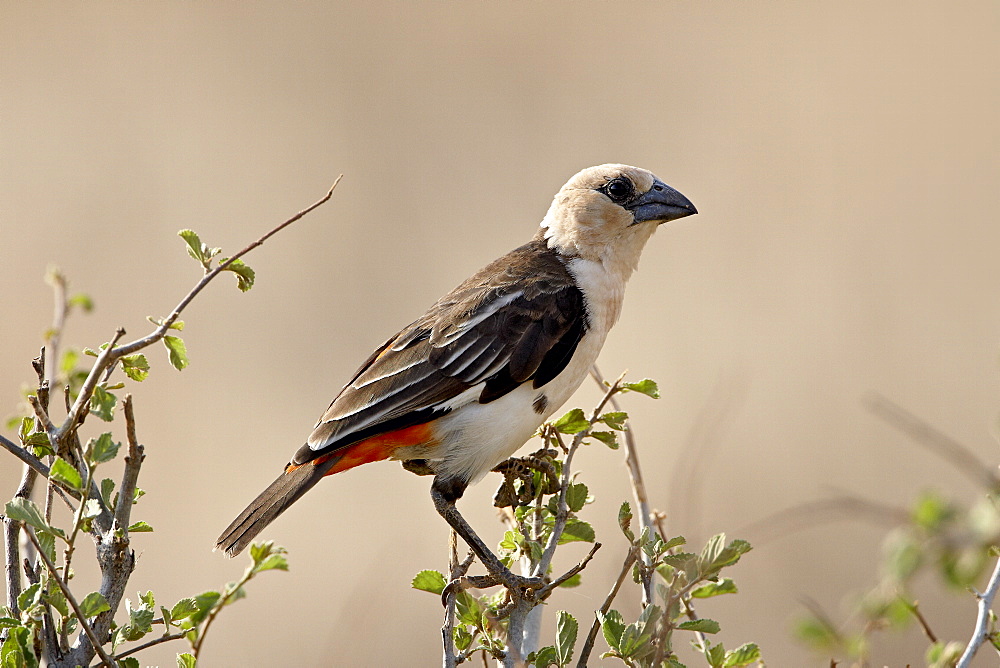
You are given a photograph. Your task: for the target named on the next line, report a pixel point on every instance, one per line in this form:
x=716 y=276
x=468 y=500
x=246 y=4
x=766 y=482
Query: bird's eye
x=619 y=189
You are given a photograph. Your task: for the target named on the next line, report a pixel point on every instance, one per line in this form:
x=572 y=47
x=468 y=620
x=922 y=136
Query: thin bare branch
x=934 y=440
x=808 y=515
x=638 y=486
x=982 y=619
x=108 y=661
x=544 y=591
x=588 y=646
x=110 y=355
x=133 y=461
x=915 y=610
x=456 y=570
x=152 y=643
x=33 y=462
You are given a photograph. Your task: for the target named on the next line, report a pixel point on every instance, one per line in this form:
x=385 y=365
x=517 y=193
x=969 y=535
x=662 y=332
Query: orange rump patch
x=375 y=448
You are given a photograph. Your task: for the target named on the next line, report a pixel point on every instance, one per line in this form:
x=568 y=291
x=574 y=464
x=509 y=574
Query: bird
x=464 y=386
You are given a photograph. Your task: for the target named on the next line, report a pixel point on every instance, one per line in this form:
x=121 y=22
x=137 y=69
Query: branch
x=133 y=461
x=151 y=643
x=33 y=462
x=638 y=486
x=937 y=442
x=982 y=619
x=588 y=646
x=69 y=597
x=110 y=355
x=456 y=571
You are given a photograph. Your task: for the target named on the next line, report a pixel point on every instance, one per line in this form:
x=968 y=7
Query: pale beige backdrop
x=845 y=160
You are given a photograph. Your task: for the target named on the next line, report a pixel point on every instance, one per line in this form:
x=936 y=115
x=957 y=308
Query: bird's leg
x=444 y=498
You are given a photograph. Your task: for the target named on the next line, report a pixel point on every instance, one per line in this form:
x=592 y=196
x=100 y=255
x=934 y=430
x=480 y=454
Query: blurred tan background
x=845 y=160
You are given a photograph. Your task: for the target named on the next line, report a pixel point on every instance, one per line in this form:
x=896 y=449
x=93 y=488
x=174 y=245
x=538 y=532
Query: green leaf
x=18 y=651
x=93 y=604
x=244 y=274
x=196 y=248
x=716 y=655
x=128 y=662
x=566 y=630
x=102 y=404
x=577 y=530
x=176 y=324
x=544 y=657
x=429 y=580
x=276 y=561
x=107 y=489
x=743 y=655
x=572 y=423
x=186 y=660
x=24 y=510
x=576 y=497
x=177 y=352
x=572 y=581
x=183 y=609
x=29 y=596
x=140 y=527
x=135 y=367
x=462 y=638
x=726 y=586
x=703 y=625
x=48 y=544
x=645 y=386
x=625 y=520
x=102 y=449
x=8 y=622
x=204 y=602
x=608 y=438
x=83 y=301
x=615 y=419
x=612 y=626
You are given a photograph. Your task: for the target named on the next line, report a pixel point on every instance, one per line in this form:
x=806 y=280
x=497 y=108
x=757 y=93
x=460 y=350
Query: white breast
x=476 y=437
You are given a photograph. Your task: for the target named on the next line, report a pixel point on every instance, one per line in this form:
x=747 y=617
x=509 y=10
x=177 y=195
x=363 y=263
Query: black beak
x=660 y=203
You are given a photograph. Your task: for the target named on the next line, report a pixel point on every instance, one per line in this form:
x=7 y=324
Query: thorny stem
x=69 y=597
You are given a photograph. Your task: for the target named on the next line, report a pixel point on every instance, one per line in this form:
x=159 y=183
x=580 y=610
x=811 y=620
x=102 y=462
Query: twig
x=72 y=600
x=588 y=646
x=808 y=515
x=982 y=619
x=937 y=442
x=544 y=591
x=133 y=461
x=912 y=607
x=638 y=488
x=151 y=643
x=110 y=355
x=456 y=570
x=33 y=462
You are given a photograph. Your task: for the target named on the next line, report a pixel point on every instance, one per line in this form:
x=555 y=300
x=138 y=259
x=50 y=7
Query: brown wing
x=517 y=320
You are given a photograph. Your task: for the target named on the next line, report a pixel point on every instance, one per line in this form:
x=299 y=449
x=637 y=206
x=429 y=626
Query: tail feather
x=273 y=501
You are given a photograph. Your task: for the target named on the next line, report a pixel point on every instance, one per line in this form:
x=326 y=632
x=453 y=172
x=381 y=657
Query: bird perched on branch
x=465 y=385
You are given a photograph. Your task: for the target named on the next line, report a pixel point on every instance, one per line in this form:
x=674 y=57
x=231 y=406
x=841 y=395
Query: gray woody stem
x=982 y=619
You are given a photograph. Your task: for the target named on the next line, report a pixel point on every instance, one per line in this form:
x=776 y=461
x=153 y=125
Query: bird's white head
x=607 y=213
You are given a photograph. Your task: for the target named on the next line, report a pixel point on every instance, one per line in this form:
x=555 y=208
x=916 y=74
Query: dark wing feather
x=518 y=319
